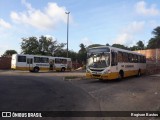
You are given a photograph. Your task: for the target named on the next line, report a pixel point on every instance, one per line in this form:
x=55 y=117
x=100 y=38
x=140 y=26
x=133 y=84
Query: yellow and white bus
x=35 y=63
x=109 y=63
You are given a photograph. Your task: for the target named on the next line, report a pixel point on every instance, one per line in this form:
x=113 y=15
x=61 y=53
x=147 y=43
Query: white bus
x=35 y=63
x=109 y=63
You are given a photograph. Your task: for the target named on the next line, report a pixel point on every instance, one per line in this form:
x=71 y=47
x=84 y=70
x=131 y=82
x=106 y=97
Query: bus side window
x=44 y=60
x=114 y=58
x=37 y=59
x=57 y=61
x=144 y=59
x=136 y=58
x=63 y=61
x=129 y=57
x=120 y=57
x=139 y=59
x=125 y=57
x=21 y=58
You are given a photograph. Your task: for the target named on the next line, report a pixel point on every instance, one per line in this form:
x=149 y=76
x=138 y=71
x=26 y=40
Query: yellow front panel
x=109 y=76
x=113 y=75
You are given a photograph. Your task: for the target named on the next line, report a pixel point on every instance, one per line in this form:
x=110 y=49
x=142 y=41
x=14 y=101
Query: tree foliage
x=82 y=54
x=41 y=46
x=94 y=45
x=120 y=46
x=156 y=31
x=139 y=46
x=30 y=45
x=155 y=41
x=9 y=53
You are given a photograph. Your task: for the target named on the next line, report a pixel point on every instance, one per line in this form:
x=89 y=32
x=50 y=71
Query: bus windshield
x=100 y=60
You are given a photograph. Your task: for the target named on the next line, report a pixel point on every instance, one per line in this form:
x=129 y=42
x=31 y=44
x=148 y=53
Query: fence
x=76 y=65
x=5 y=63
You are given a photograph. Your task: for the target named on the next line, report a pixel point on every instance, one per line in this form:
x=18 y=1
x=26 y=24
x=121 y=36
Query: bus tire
x=139 y=73
x=121 y=74
x=36 y=69
x=63 y=69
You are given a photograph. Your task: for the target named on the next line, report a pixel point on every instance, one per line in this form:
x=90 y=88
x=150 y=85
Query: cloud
x=135 y=27
x=126 y=37
x=51 y=36
x=122 y=38
x=47 y=18
x=4 y=24
x=142 y=8
x=86 y=41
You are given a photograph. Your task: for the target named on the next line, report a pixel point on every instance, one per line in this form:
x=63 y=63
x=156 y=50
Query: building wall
x=153 y=60
x=152 y=55
x=5 y=63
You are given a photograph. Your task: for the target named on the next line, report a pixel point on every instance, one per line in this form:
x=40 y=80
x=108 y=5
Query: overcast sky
x=91 y=21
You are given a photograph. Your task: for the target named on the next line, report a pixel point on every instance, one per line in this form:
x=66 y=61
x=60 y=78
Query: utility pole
x=67 y=29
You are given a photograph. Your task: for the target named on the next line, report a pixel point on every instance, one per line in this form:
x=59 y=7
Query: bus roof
x=40 y=56
x=118 y=49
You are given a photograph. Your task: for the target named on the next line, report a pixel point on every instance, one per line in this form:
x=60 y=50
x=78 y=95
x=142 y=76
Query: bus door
x=30 y=64
x=51 y=64
x=114 y=61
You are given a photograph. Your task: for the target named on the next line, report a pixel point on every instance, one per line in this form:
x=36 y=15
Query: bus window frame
x=114 y=61
x=20 y=60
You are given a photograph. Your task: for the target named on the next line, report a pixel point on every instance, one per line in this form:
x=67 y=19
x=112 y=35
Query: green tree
x=107 y=44
x=47 y=45
x=156 y=31
x=9 y=53
x=94 y=45
x=30 y=45
x=72 y=55
x=41 y=46
x=155 y=41
x=133 y=48
x=120 y=46
x=82 y=54
x=152 y=43
x=140 y=45
x=63 y=53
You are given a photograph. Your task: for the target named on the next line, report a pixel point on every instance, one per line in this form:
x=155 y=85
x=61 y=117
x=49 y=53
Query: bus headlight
x=88 y=71
x=106 y=71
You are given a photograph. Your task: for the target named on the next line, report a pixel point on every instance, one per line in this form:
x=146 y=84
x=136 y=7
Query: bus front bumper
x=107 y=76
x=97 y=76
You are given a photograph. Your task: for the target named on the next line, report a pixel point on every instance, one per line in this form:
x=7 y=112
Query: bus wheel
x=36 y=69
x=121 y=75
x=63 y=69
x=139 y=73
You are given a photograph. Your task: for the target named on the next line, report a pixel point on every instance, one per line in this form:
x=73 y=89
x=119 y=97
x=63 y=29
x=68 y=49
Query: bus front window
x=99 y=60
